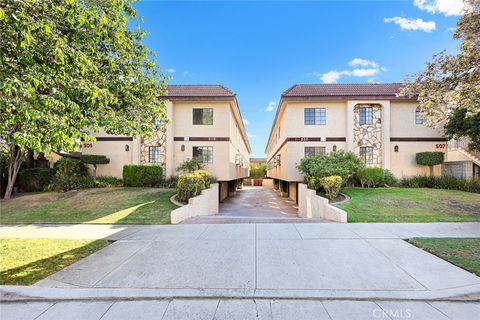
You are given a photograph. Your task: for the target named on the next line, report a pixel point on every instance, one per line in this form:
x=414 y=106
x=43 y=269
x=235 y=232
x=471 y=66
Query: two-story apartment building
x=369 y=119
x=205 y=121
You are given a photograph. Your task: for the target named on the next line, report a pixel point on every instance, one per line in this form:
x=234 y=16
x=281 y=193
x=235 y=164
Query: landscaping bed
x=462 y=252
x=102 y=206
x=26 y=261
x=410 y=205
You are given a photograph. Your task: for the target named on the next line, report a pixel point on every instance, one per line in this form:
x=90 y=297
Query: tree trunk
x=14 y=162
x=94 y=171
x=431 y=171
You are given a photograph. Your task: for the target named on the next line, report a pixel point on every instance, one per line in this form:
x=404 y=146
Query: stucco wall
x=312 y=206
x=207 y=203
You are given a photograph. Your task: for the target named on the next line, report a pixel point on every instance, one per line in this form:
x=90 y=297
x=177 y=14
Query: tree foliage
x=258 y=171
x=67 y=65
x=191 y=165
x=431 y=158
x=452 y=82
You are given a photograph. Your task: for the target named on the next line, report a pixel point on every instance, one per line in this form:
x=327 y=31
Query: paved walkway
x=250 y=271
x=232 y=309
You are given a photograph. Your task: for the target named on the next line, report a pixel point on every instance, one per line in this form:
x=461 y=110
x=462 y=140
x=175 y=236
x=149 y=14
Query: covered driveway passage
x=259 y=202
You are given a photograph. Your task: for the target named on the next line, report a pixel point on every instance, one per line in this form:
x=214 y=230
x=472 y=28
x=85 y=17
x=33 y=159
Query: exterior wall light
x=395 y=148
x=182 y=147
x=334 y=148
x=127 y=147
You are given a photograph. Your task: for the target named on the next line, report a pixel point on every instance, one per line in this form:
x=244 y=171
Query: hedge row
x=191 y=184
x=142 y=175
x=443 y=182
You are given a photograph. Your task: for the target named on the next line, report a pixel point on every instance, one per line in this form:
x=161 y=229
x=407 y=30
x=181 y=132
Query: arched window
x=418 y=117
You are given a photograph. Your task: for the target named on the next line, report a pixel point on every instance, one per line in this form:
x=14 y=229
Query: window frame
x=367 y=155
x=202 y=123
x=418 y=117
x=365 y=117
x=322 y=150
x=154 y=155
x=209 y=154
x=311 y=115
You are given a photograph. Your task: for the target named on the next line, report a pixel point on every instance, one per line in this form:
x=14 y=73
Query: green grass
x=105 y=205
x=463 y=252
x=25 y=261
x=410 y=205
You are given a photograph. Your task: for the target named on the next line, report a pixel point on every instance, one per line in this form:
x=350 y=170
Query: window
x=418 y=117
x=365 y=115
x=315 y=116
x=154 y=154
x=203 y=116
x=206 y=153
x=366 y=153
x=314 y=151
x=278 y=132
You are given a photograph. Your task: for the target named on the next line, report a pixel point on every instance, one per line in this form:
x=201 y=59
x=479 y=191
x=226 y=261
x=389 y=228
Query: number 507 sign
x=441 y=145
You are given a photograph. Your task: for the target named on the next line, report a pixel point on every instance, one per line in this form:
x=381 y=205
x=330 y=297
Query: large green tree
x=71 y=65
x=448 y=89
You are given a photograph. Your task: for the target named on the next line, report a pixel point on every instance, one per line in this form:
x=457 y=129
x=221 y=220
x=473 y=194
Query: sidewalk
x=317 y=231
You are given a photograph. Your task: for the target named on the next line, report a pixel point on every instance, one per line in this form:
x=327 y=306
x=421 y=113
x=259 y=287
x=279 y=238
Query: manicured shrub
x=340 y=163
x=94 y=159
x=70 y=174
x=170 y=183
x=108 y=182
x=191 y=184
x=331 y=185
x=142 y=175
x=443 y=182
x=430 y=159
x=370 y=177
x=35 y=179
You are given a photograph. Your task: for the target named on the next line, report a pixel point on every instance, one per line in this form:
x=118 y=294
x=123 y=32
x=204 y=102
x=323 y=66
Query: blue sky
x=258 y=49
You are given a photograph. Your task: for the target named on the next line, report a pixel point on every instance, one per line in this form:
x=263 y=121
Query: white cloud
x=451 y=29
x=251 y=135
x=412 y=24
x=246 y=122
x=271 y=105
x=363 y=63
x=186 y=72
x=333 y=76
x=447 y=7
x=170 y=70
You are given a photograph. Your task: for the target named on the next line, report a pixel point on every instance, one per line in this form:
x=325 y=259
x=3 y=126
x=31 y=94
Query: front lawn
x=26 y=261
x=410 y=205
x=106 y=205
x=463 y=252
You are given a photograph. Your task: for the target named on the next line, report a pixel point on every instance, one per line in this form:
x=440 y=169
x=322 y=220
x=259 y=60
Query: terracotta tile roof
x=214 y=90
x=343 y=90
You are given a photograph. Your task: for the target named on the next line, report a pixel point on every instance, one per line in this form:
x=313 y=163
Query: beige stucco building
x=368 y=119
x=205 y=121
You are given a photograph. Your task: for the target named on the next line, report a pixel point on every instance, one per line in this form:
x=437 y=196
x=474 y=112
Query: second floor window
x=205 y=153
x=366 y=154
x=314 y=151
x=154 y=154
x=418 y=117
x=315 y=116
x=203 y=116
x=365 y=115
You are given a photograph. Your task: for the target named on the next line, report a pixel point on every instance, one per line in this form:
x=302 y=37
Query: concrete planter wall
x=310 y=205
x=202 y=205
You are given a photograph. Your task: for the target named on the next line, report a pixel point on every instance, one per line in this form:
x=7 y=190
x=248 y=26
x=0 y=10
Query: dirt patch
x=470 y=208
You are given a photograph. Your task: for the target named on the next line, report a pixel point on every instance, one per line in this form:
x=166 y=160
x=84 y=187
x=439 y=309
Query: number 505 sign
x=87 y=145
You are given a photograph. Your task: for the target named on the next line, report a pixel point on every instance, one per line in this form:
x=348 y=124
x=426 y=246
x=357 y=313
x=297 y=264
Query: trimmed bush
x=108 y=182
x=370 y=177
x=191 y=184
x=135 y=175
x=170 y=183
x=35 y=179
x=340 y=163
x=70 y=174
x=389 y=179
x=94 y=159
x=443 y=182
x=430 y=159
x=331 y=185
